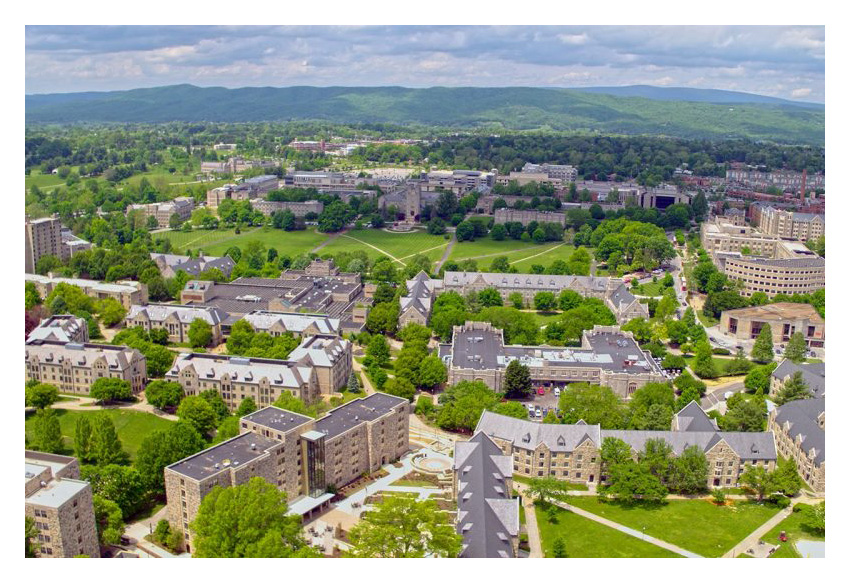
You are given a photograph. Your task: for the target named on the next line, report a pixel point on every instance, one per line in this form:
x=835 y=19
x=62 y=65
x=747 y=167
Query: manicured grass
x=217 y=242
x=796 y=531
x=487 y=246
x=132 y=426
x=36 y=178
x=585 y=538
x=655 y=289
x=544 y=318
x=544 y=255
x=527 y=481
x=401 y=246
x=699 y=526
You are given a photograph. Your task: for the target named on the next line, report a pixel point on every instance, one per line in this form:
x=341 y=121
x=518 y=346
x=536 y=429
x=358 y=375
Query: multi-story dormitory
x=572 y=452
x=319 y=365
x=306 y=458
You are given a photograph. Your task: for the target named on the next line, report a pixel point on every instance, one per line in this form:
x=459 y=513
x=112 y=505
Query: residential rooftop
x=232 y=453
x=277 y=419
x=353 y=413
x=778 y=311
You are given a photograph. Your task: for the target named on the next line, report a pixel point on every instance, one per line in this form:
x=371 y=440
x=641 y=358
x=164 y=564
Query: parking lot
x=548 y=400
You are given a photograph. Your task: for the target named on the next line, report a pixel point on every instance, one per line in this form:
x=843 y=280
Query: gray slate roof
x=814 y=375
x=803 y=418
x=692 y=417
x=487 y=516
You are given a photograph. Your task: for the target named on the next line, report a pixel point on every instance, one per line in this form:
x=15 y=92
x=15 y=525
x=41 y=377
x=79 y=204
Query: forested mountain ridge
x=510 y=108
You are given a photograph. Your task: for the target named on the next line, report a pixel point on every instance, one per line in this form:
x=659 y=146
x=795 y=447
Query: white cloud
x=573 y=39
x=801 y=92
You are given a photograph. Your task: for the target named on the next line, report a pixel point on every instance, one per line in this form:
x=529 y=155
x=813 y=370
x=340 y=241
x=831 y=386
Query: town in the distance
x=317 y=340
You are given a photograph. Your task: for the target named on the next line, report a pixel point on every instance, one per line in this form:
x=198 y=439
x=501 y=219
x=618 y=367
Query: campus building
x=60 y=505
x=607 y=356
x=722 y=236
x=787 y=180
x=415 y=306
x=301 y=456
x=785 y=319
x=299 y=209
x=505 y=215
x=735 y=217
x=182 y=206
x=170 y=264
x=248 y=189
x=458 y=182
x=563 y=172
x=61 y=328
x=47 y=236
x=791 y=225
x=72 y=367
x=487 y=515
x=235 y=164
x=612 y=291
x=813 y=374
x=176 y=320
x=800 y=428
x=573 y=452
x=527 y=177
x=775 y=276
x=303 y=325
x=126 y=293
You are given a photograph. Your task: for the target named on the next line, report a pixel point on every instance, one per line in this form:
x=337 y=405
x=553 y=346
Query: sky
x=779 y=61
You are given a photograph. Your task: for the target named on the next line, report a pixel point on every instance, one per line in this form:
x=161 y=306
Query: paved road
x=714 y=398
x=88 y=404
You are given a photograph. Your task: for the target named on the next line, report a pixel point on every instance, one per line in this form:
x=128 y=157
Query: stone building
x=800 y=428
x=176 y=320
x=182 y=206
x=776 y=276
x=572 y=452
x=606 y=357
x=299 y=209
x=416 y=305
x=126 y=293
x=814 y=375
x=60 y=505
x=303 y=325
x=791 y=225
x=506 y=215
x=248 y=189
x=170 y=264
x=487 y=515
x=330 y=356
x=61 y=328
x=785 y=319
x=73 y=367
x=301 y=456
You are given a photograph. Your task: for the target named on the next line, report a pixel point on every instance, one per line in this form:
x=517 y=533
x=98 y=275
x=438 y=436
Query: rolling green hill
x=509 y=108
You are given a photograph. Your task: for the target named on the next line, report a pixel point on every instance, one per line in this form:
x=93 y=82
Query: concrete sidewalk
x=753 y=539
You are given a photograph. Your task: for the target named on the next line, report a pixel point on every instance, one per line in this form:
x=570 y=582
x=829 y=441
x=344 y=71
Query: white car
x=557 y=391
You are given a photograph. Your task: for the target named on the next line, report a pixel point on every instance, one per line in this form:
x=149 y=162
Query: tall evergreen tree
x=105 y=445
x=794 y=389
x=47 y=435
x=517 y=380
x=796 y=349
x=763 y=346
x=82 y=439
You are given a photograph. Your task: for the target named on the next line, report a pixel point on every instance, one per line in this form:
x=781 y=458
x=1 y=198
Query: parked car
x=541 y=391
x=557 y=391
x=538 y=414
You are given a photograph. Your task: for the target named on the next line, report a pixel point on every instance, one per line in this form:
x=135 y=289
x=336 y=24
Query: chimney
x=803 y=187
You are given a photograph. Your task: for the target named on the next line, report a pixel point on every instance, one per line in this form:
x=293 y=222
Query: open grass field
x=544 y=318
x=399 y=246
x=132 y=426
x=585 y=538
x=796 y=531
x=36 y=178
x=216 y=242
x=696 y=525
x=654 y=289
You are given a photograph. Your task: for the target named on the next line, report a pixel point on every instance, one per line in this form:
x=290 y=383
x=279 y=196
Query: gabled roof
x=693 y=418
x=803 y=417
x=814 y=375
x=487 y=517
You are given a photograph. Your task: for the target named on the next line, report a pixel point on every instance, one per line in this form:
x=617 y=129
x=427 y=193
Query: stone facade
x=799 y=427
x=785 y=319
x=299 y=209
x=176 y=320
x=791 y=225
x=125 y=292
x=505 y=215
x=73 y=367
x=181 y=206
x=61 y=328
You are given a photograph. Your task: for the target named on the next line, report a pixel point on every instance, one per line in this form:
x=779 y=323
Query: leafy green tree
x=379 y=350
x=744 y=414
x=246 y=407
x=200 y=333
x=490 y=297
x=758 y=480
x=787 y=478
x=677 y=331
x=111 y=311
x=213 y=397
x=227 y=429
x=31 y=296
x=594 y=404
x=615 y=451
x=405 y=527
x=105 y=445
x=739 y=364
x=41 y=395
x=559 y=548
x=550 y=418
x=793 y=389
x=629 y=482
x=548 y=488
x=763 y=346
x=511 y=409
x=162 y=448
x=758 y=378
x=47 y=435
x=796 y=349
x=657 y=457
x=108 y=519
x=544 y=301
x=640 y=329
x=197 y=411
x=400 y=387
x=704 y=366
x=517 y=380
x=108 y=389
x=164 y=394
x=432 y=372
x=31 y=534
x=383 y=318
x=82 y=439
x=461 y=405
x=516 y=300
x=120 y=484
x=689 y=473
x=814 y=518
x=248 y=520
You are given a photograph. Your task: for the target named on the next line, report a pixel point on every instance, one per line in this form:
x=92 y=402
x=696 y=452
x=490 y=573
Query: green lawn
x=217 y=242
x=527 y=481
x=487 y=246
x=655 y=289
x=794 y=528
x=696 y=525
x=719 y=362
x=401 y=246
x=585 y=538
x=132 y=426
x=544 y=318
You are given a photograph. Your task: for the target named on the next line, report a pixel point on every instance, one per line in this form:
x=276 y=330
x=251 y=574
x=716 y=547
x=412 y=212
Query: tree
x=516 y=300
x=739 y=364
x=400 y=387
x=758 y=480
x=517 y=380
x=689 y=473
x=164 y=394
x=704 y=362
x=108 y=519
x=548 y=488
x=120 y=484
x=41 y=395
x=31 y=296
x=793 y=389
x=31 y=533
x=559 y=548
x=105 y=445
x=162 y=448
x=569 y=299
x=796 y=349
x=594 y=404
x=763 y=346
x=227 y=429
x=462 y=405
x=197 y=411
x=405 y=527
x=378 y=350
x=510 y=409
x=814 y=517
x=248 y=520
x=246 y=407
x=109 y=389
x=383 y=318
x=200 y=333
x=544 y=301
x=744 y=414
x=111 y=311
x=630 y=482
x=432 y=372
x=787 y=478
x=490 y=297
x=758 y=379
x=219 y=407
x=47 y=435
x=82 y=439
